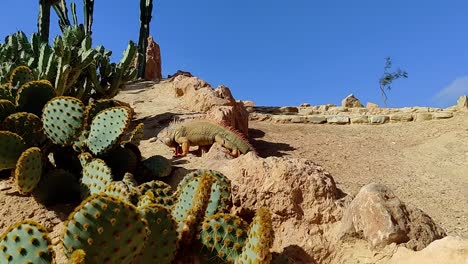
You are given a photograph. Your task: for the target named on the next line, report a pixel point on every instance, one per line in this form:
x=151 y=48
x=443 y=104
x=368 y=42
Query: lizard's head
x=166 y=136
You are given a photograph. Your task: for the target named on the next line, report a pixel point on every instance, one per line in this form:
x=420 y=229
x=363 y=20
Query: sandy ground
x=425 y=163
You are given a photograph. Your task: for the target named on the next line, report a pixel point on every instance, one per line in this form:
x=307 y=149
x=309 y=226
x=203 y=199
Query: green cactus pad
x=189 y=209
x=11 y=148
x=220 y=200
x=28 y=170
x=225 y=235
x=96 y=176
x=63 y=119
x=26 y=125
x=121 y=160
x=26 y=242
x=6 y=108
x=161 y=191
x=20 y=76
x=122 y=189
x=137 y=134
x=105 y=222
x=57 y=186
x=32 y=96
x=80 y=144
x=107 y=127
x=259 y=240
x=158 y=166
x=93 y=108
x=5 y=94
x=162 y=245
x=66 y=158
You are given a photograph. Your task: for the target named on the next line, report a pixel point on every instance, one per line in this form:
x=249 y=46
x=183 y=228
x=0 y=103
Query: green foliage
x=11 y=148
x=388 y=77
x=20 y=76
x=26 y=125
x=6 y=108
x=96 y=175
x=28 y=170
x=105 y=222
x=32 y=96
x=161 y=193
x=146 y=9
x=26 y=242
x=122 y=189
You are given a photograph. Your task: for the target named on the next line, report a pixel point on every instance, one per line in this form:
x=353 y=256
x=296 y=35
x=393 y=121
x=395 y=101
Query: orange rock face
x=153 y=70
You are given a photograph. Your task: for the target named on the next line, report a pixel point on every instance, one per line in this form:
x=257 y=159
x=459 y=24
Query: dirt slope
x=425 y=163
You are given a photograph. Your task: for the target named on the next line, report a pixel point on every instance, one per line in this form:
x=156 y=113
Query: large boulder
x=379 y=217
x=351 y=101
x=153 y=71
x=462 y=103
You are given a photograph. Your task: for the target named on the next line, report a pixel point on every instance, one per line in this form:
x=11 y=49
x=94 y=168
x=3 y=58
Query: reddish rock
x=153 y=70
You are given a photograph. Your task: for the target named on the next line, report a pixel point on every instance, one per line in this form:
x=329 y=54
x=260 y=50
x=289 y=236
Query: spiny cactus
x=107 y=128
x=259 y=240
x=105 y=222
x=157 y=166
x=121 y=160
x=28 y=170
x=96 y=106
x=189 y=209
x=26 y=125
x=57 y=186
x=162 y=243
x=26 y=242
x=137 y=134
x=32 y=96
x=20 y=76
x=161 y=193
x=63 y=119
x=225 y=235
x=122 y=189
x=96 y=175
x=11 y=148
x=146 y=8
x=5 y=93
x=6 y=108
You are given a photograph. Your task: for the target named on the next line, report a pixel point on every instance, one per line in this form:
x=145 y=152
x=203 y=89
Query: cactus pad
x=93 y=108
x=63 y=119
x=26 y=242
x=57 y=186
x=189 y=209
x=28 y=170
x=96 y=176
x=137 y=134
x=107 y=127
x=32 y=96
x=6 y=108
x=158 y=166
x=259 y=240
x=26 y=125
x=122 y=189
x=21 y=75
x=161 y=193
x=121 y=160
x=161 y=246
x=11 y=148
x=225 y=235
x=105 y=222
x=5 y=94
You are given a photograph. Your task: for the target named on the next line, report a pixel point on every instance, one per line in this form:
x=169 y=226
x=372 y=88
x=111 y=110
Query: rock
x=304 y=105
x=371 y=105
x=401 y=117
x=337 y=109
x=351 y=101
x=338 y=120
x=382 y=119
x=442 y=115
x=316 y=119
x=462 y=103
x=423 y=116
x=153 y=71
x=359 y=110
x=217 y=152
x=307 y=111
x=299 y=119
x=247 y=103
x=323 y=108
x=289 y=110
x=179 y=73
x=184 y=84
x=378 y=216
x=448 y=250
x=281 y=118
x=359 y=120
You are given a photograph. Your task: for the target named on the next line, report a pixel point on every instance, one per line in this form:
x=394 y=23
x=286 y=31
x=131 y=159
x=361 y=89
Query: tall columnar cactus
x=146 y=9
x=63 y=119
x=43 y=21
x=28 y=170
x=224 y=235
x=88 y=7
x=105 y=222
x=26 y=242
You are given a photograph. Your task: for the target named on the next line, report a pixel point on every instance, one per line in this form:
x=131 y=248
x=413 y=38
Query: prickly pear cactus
x=137 y=134
x=259 y=240
x=26 y=125
x=96 y=175
x=189 y=209
x=57 y=186
x=77 y=257
x=220 y=200
x=63 y=119
x=122 y=189
x=158 y=166
x=5 y=93
x=93 y=108
x=225 y=235
x=107 y=127
x=11 y=148
x=20 y=76
x=105 y=222
x=121 y=160
x=6 y=108
x=26 y=242
x=28 y=170
x=162 y=244
x=32 y=96
x=161 y=193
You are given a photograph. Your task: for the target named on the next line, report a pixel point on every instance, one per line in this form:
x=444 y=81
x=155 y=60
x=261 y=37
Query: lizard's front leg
x=184 y=142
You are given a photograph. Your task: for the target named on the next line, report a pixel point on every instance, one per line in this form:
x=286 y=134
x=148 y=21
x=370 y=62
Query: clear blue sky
x=289 y=52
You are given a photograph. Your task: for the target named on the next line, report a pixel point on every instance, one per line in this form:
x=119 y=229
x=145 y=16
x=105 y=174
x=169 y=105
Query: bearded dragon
x=202 y=133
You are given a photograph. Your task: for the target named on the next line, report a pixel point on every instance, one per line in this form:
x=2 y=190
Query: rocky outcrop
x=462 y=103
x=379 y=217
x=153 y=71
x=351 y=101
